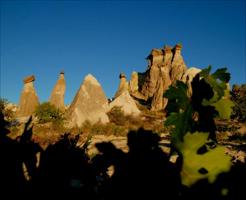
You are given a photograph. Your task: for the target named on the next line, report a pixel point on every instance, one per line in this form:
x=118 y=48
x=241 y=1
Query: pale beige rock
x=188 y=77
x=165 y=67
x=127 y=104
x=157 y=100
x=57 y=95
x=133 y=84
x=90 y=103
x=29 y=99
x=178 y=66
x=149 y=86
x=155 y=57
x=123 y=85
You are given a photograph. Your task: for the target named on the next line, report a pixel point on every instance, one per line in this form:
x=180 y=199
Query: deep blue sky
x=105 y=38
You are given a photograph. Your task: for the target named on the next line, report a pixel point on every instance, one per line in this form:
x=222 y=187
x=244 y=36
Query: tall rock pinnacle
x=29 y=99
x=178 y=66
x=123 y=85
x=57 y=95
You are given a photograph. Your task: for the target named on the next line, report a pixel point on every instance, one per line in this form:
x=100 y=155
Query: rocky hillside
x=137 y=103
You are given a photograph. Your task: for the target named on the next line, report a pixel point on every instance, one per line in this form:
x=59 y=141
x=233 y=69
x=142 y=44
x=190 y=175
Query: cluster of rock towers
x=29 y=98
x=165 y=67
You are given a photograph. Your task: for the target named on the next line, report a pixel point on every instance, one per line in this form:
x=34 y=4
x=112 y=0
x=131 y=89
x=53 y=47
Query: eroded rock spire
x=28 y=99
x=57 y=95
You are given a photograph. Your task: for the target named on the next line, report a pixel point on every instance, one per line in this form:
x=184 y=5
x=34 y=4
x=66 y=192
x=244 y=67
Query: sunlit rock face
x=158 y=101
x=28 y=99
x=165 y=67
x=90 y=103
x=133 y=84
x=178 y=66
x=123 y=86
x=57 y=95
x=127 y=104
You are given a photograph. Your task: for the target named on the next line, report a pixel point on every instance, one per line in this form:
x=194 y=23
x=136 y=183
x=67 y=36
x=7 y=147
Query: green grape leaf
x=182 y=123
x=181 y=111
x=205 y=72
x=224 y=107
x=213 y=162
x=217 y=81
x=222 y=75
x=177 y=96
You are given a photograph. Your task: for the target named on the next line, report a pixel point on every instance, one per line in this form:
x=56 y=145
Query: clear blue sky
x=105 y=38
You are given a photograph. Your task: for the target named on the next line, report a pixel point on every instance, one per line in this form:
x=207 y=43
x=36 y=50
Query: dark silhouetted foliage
x=238 y=96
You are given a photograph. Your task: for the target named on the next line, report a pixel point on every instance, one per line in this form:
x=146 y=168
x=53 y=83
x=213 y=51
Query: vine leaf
x=180 y=111
x=199 y=166
x=177 y=97
x=224 y=107
x=218 y=81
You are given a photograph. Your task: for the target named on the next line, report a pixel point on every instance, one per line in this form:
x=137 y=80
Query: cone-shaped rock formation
x=127 y=104
x=90 y=103
x=29 y=99
x=57 y=95
x=123 y=85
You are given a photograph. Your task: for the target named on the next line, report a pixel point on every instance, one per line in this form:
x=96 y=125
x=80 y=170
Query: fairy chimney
x=90 y=104
x=29 y=99
x=123 y=85
x=178 y=66
x=133 y=84
x=165 y=67
x=57 y=95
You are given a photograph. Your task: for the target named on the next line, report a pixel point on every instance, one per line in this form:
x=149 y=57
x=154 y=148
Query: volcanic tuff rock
x=178 y=66
x=57 y=95
x=90 y=103
x=127 y=104
x=133 y=84
x=158 y=101
x=29 y=99
x=165 y=67
x=123 y=85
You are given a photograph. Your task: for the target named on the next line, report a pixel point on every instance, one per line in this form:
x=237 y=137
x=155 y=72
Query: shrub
x=49 y=113
x=238 y=96
x=7 y=112
x=103 y=129
x=116 y=116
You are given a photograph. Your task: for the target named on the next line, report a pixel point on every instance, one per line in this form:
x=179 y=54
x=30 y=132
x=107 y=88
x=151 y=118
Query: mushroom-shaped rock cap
x=122 y=75
x=156 y=52
x=178 y=46
x=29 y=79
x=167 y=48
